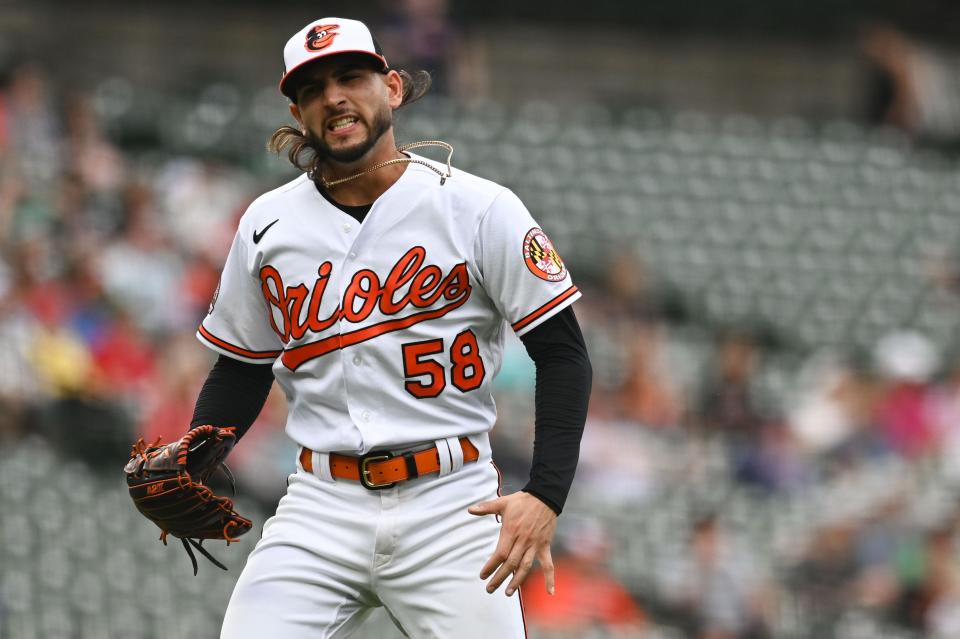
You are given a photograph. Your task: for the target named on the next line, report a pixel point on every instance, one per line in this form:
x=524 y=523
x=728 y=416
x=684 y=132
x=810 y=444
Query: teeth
x=343 y=122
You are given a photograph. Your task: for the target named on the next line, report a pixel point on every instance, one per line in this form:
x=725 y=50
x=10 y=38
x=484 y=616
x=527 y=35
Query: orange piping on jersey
x=499 y=485
x=293 y=358
x=216 y=341
x=545 y=308
x=523 y=617
x=499 y=480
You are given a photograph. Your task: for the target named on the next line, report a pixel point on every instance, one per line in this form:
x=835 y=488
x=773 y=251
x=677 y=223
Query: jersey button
x=347 y=228
x=353 y=255
x=365 y=416
x=356 y=360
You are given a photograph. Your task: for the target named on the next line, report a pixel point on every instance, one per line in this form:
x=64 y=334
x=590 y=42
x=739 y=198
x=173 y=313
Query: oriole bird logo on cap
x=321 y=36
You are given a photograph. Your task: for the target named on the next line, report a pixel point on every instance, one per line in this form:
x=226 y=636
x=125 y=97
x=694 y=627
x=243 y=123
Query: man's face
x=345 y=107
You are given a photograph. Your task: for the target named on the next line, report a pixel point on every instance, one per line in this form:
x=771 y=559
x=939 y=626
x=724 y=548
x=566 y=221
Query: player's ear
x=394 y=88
x=295 y=112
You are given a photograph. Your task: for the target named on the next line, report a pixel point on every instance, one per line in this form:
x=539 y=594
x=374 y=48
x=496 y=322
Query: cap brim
x=285 y=80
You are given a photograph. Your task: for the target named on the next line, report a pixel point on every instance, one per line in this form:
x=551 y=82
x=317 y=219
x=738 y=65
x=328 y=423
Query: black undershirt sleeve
x=564 y=380
x=233 y=394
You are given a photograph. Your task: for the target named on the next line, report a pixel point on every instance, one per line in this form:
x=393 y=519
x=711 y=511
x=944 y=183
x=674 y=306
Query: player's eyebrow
x=313 y=79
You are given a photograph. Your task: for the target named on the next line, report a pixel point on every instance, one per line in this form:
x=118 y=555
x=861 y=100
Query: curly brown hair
x=302 y=153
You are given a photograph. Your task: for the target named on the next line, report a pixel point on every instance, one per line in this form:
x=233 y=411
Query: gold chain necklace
x=413 y=145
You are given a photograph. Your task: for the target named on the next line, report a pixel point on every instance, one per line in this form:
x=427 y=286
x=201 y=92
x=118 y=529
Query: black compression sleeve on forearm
x=233 y=395
x=564 y=379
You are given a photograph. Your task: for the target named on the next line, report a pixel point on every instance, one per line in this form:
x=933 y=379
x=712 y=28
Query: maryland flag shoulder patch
x=541 y=258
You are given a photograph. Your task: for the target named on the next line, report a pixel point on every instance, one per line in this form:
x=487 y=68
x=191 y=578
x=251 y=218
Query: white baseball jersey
x=389 y=332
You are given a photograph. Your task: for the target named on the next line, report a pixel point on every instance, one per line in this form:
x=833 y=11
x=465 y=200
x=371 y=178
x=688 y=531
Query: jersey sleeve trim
x=543 y=313
x=230 y=349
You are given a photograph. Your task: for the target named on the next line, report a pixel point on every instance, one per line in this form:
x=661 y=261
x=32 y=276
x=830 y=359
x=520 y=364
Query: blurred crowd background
x=760 y=201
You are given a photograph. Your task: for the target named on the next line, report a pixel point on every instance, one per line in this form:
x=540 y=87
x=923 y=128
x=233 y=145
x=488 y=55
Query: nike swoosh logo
x=259 y=236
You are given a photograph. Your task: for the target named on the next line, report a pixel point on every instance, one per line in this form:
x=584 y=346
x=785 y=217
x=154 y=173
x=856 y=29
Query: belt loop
x=321 y=466
x=456 y=453
x=443 y=450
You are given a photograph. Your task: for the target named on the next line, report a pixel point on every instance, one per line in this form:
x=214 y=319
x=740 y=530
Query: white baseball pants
x=334 y=551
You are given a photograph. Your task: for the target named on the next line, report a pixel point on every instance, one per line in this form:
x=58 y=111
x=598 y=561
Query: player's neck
x=368 y=187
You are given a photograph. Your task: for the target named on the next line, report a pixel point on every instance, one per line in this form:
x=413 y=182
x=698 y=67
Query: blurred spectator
x=880 y=538
x=201 y=276
x=774 y=462
x=710 y=590
x=734 y=406
x=822 y=581
x=90 y=310
x=62 y=360
x=625 y=319
x=11 y=192
x=201 y=202
x=81 y=421
x=124 y=359
x=76 y=224
x=762 y=450
x=141 y=272
x=928 y=600
x=823 y=418
x=941 y=617
x=630 y=290
x=647 y=396
x=914 y=86
x=906 y=361
x=169 y=400
x=34 y=130
x=618 y=464
x=420 y=34
x=19 y=382
x=89 y=154
x=587 y=596
x=945 y=415
x=834 y=413
x=729 y=402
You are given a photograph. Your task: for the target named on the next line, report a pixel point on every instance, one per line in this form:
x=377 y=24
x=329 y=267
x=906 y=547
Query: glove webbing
x=187 y=542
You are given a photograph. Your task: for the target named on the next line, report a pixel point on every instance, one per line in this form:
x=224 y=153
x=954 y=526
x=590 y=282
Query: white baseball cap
x=324 y=37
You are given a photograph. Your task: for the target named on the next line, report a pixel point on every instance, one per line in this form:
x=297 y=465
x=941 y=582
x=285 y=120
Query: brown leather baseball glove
x=168 y=486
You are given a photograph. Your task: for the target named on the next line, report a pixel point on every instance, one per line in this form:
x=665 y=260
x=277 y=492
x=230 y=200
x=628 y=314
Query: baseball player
x=377 y=289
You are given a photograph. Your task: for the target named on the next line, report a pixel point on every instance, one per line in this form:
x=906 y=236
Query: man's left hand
x=526 y=533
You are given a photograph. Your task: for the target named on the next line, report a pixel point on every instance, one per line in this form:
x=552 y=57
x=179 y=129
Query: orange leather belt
x=382 y=469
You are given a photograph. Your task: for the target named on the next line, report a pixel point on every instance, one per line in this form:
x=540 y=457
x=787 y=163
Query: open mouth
x=341 y=123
